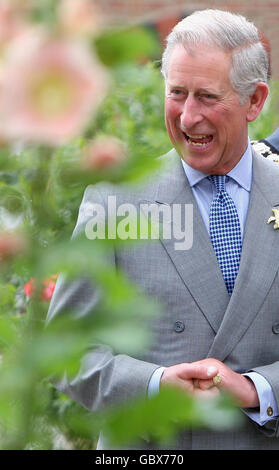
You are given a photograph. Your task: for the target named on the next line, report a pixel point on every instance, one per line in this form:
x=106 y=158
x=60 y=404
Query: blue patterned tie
x=225 y=232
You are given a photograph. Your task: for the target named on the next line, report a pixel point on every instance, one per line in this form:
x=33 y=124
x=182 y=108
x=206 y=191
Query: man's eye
x=207 y=96
x=176 y=92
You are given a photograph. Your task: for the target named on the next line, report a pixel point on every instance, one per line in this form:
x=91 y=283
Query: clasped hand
x=197 y=379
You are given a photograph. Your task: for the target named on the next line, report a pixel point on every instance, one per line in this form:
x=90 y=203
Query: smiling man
x=219 y=324
x=204 y=116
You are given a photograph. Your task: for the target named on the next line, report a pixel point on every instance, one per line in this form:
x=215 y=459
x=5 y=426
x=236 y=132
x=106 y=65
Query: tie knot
x=218 y=181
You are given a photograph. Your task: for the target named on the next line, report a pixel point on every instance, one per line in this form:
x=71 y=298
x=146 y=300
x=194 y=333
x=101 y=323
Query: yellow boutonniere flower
x=275 y=218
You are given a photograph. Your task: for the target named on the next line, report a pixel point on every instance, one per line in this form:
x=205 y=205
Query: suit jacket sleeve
x=270 y=373
x=104 y=378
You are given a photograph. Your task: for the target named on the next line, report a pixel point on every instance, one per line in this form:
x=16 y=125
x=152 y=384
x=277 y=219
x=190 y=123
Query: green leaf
x=11 y=199
x=157 y=419
x=115 y=47
x=7 y=331
x=267 y=122
x=167 y=413
x=7 y=298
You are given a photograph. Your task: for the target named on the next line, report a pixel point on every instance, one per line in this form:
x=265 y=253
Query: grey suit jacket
x=241 y=331
x=273 y=140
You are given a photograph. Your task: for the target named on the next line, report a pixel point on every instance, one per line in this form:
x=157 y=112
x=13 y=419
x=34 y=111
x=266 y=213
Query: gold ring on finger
x=217 y=379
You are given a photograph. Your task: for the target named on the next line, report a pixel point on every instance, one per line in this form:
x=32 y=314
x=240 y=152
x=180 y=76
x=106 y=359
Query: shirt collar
x=241 y=173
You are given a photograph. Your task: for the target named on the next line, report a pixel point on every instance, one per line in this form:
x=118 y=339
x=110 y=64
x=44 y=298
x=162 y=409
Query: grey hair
x=229 y=32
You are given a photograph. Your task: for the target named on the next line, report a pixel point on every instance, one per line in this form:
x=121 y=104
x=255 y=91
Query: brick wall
x=163 y=14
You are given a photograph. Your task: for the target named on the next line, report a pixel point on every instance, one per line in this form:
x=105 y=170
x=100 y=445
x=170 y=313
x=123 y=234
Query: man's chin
x=205 y=164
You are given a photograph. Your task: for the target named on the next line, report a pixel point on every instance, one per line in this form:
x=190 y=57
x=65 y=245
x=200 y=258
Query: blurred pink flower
x=50 y=88
x=49 y=286
x=11 y=22
x=21 y=6
x=79 y=17
x=104 y=153
x=11 y=245
x=29 y=288
x=46 y=289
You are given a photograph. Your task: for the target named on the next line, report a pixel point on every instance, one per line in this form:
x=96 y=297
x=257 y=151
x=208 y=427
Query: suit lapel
x=259 y=260
x=197 y=266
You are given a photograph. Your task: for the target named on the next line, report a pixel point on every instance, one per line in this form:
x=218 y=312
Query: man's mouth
x=198 y=140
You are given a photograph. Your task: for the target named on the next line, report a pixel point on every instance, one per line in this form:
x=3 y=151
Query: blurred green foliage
x=40 y=192
x=268 y=120
x=115 y=47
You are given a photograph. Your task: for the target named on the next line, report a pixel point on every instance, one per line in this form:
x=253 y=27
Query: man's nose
x=191 y=114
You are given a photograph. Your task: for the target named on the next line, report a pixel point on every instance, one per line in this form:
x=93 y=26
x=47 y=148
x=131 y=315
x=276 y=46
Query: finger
x=196 y=370
x=185 y=385
x=211 y=393
x=171 y=377
x=205 y=384
x=196 y=383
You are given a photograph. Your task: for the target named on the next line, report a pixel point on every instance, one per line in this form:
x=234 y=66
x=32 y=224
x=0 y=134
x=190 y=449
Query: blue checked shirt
x=238 y=187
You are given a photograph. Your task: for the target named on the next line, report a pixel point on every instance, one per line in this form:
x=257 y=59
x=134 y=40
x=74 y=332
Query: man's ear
x=257 y=101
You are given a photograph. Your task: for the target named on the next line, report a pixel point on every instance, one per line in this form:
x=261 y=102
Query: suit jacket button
x=275 y=328
x=179 y=326
x=269 y=411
